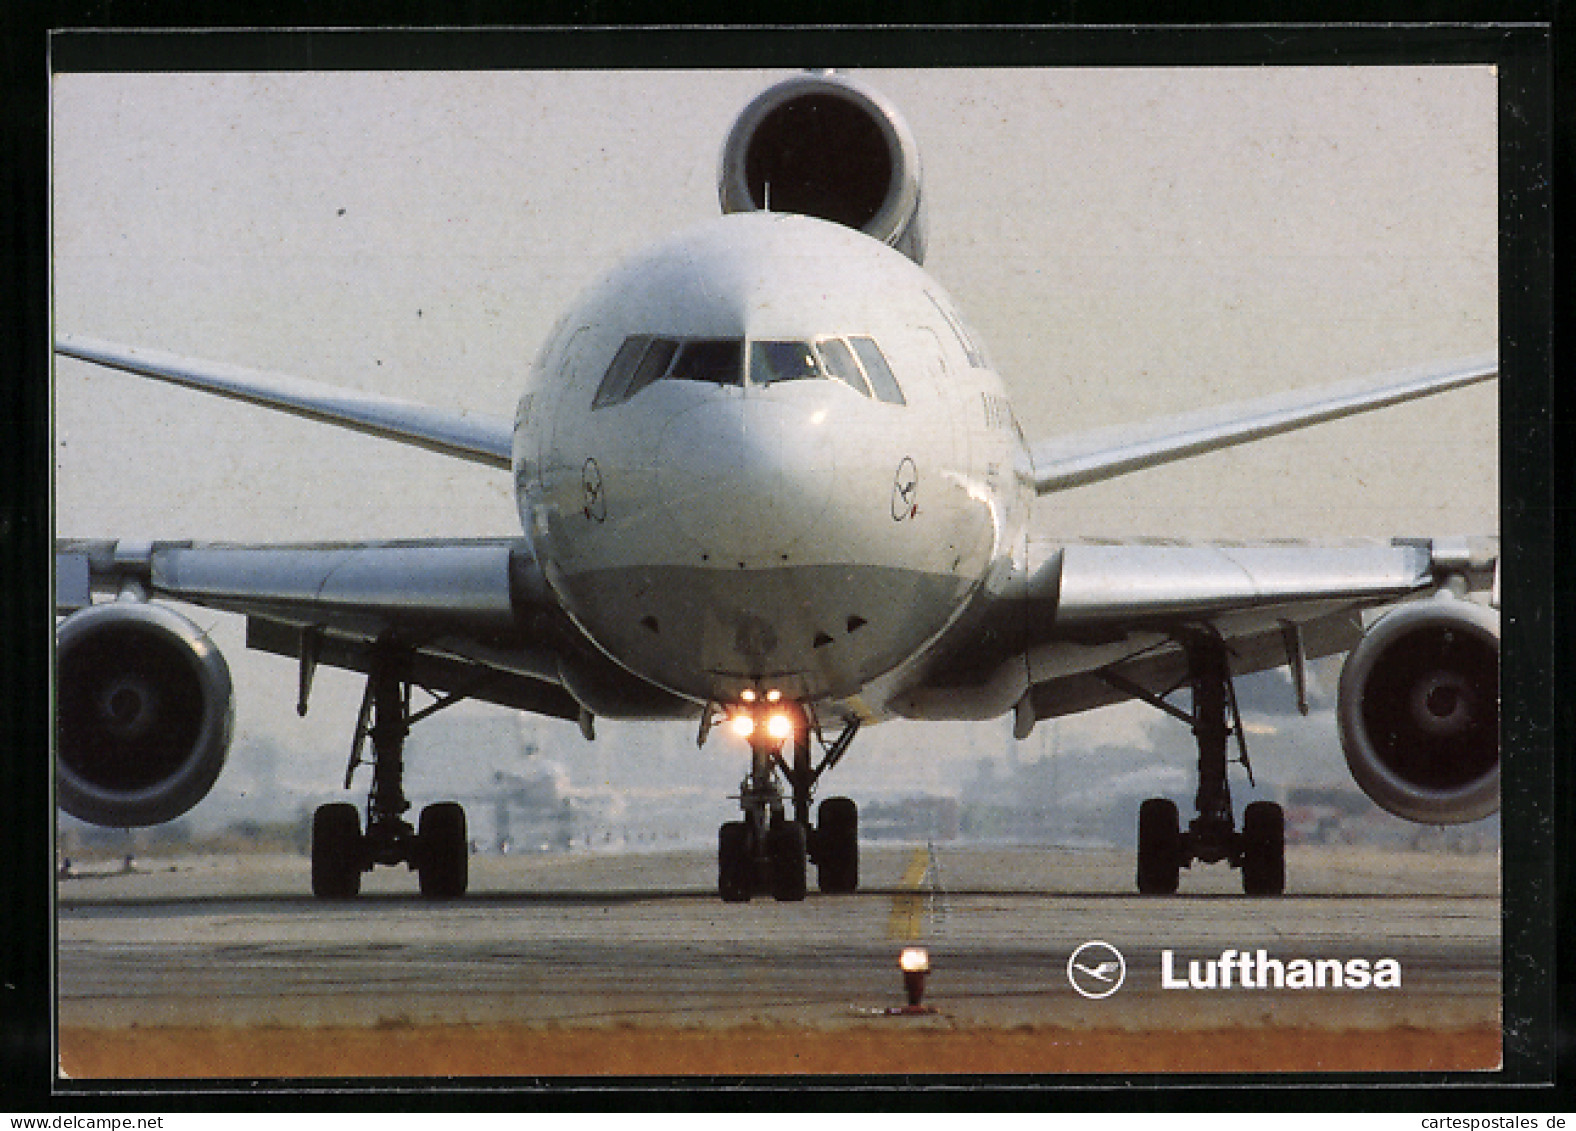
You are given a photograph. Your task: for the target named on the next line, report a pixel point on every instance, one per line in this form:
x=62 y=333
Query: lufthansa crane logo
x=1097 y=969
x=595 y=504
x=905 y=491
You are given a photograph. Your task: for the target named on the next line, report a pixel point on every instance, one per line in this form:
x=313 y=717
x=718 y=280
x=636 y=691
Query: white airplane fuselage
x=725 y=490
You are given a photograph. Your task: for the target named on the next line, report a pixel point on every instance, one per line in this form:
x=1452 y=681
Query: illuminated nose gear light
x=751 y=718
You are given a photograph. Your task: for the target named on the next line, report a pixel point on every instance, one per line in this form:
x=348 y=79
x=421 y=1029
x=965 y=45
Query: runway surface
x=556 y=951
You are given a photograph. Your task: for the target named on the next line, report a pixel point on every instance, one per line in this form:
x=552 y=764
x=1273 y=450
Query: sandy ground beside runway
x=893 y=1048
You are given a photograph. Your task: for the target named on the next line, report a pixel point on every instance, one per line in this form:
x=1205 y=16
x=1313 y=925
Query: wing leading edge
x=1074 y=461
x=463 y=435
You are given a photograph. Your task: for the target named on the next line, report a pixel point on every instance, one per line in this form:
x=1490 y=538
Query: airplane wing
x=1074 y=461
x=477 y=611
x=1089 y=625
x=469 y=436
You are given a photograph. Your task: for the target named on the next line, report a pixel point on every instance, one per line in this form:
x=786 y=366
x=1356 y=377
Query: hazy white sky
x=1125 y=242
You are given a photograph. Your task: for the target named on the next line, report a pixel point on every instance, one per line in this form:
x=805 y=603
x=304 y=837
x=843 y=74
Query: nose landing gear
x=769 y=850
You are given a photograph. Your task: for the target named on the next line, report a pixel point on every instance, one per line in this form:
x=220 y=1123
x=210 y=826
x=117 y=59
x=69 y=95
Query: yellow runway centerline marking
x=908 y=905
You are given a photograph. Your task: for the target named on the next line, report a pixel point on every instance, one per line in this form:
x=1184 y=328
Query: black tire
x=1159 y=847
x=837 y=847
x=1263 y=849
x=443 y=851
x=734 y=869
x=787 y=859
x=336 y=851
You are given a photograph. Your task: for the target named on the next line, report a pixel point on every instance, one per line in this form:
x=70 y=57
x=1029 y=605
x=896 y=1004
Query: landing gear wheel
x=1159 y=847
x=837 y=847
x=336 y=851
x=1263 y=849
x=733 y=862
x=443 y=851
x=786 y=859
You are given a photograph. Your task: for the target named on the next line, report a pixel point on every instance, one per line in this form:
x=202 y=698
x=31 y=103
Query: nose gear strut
x=768 y=850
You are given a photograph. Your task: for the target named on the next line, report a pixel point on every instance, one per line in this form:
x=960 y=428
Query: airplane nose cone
x=747 y=478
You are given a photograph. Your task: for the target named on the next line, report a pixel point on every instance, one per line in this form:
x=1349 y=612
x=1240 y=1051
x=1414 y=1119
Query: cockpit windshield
x=716 y=362
x=771 y=362
x=643 y=360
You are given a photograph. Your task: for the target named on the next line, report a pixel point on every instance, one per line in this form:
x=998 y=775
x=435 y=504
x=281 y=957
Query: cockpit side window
x=876 y=369
x=840 y=364
x=716 y=362
x=615 y=385
x=659 y=355
x=641 y=360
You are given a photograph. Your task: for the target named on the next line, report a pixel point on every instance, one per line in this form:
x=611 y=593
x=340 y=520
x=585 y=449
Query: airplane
x=768 y=480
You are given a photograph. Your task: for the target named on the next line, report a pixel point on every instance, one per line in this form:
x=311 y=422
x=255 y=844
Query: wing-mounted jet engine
x=827 y=146
x=145 y=714
x=1419 y=711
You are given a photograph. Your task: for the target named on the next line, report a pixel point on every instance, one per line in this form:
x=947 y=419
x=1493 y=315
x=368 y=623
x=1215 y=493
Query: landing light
x=773 y=695
x=779 y=726
x=748 y=695
x=743 y=725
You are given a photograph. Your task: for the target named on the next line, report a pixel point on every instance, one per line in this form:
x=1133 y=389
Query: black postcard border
x=1536 y=456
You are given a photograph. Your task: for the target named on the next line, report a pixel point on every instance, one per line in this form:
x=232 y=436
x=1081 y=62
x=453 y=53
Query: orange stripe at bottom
x=900 y=1045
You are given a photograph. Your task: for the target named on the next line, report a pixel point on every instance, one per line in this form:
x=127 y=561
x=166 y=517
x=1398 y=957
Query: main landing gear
x=768 y=851
x=1164 y=847
x=437 y=849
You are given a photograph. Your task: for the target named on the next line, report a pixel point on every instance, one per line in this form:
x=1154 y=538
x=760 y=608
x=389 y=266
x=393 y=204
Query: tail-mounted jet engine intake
x=827 y=146
x=1419 y=711
x=144 y=714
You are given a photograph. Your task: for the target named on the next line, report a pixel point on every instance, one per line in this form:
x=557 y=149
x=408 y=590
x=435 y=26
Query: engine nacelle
x=827 y=146
x=1419 y=711
x=144 y=714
